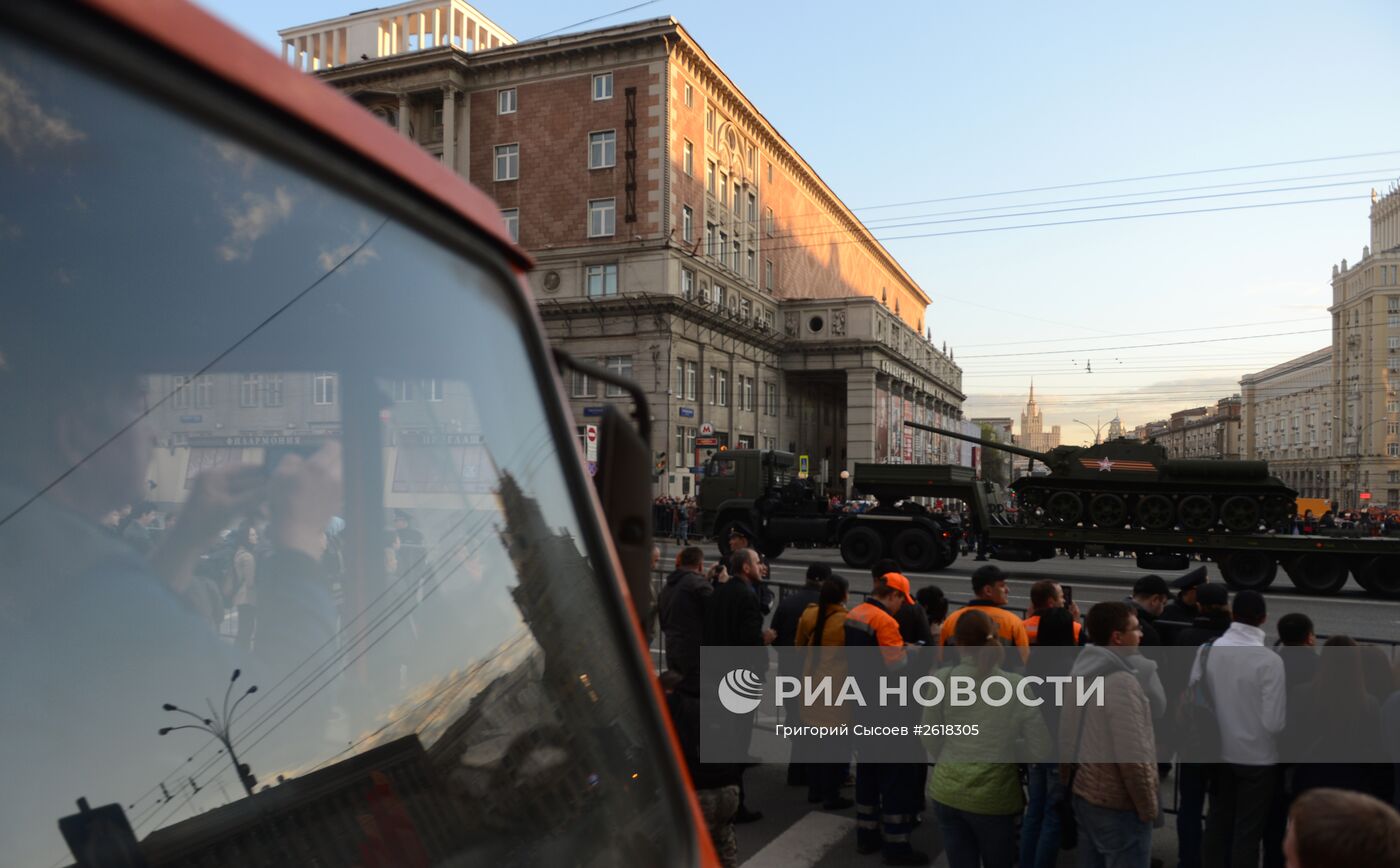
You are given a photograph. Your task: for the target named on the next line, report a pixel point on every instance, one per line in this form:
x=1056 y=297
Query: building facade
x=1204 y=432
x=681 y=242
x=1287 y=418
x=1365 y=375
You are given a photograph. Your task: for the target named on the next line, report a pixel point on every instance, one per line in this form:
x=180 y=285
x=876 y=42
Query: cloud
x=239 y=157
x=24 y=125
x=329 y=259
x=247 y=224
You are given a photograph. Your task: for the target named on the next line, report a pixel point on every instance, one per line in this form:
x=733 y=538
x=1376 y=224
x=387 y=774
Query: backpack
x=1199 y=724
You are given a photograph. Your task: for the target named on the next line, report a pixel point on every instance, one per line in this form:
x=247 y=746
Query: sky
x=913 y=110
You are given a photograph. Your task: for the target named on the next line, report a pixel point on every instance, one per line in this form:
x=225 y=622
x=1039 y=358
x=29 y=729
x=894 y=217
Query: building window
x=724 y=249
x=710 y=177
x=1392 y=304
x=770 y=399
x=768 y=274
x=512 y=218
x=750 y=265
x=753 y=208
x=738 y=193
x=746 y=396
x=249 y=389
x=1392 y=450
x=709 y=120
x=680 y=378
x=507 y=162
x=1393 y=363
x=722 y=188
x=722 y=388
x=1393 y=320
x=720 y=296
x=272 y=390
x=736 y=261
x=602 y=280
x=403 y=391
x=432 y=390
x=1393 y=342
x=770 y=173
x=688 y=158
x=323 y=389
x=692 y=379
x=689 y=95
x=687 y=224
x=768 y=221
x=602 y=217
x=687 y=284
x=505 y=101
x=744 y=309
x=622 y=366
x=710 y=240
x=582 y=386
x=180 y=393
x=602 y=149
x=203 y=392
x=602 y=86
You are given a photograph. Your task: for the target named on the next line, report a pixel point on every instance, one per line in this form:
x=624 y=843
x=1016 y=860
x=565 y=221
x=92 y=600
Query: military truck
x=757 y=491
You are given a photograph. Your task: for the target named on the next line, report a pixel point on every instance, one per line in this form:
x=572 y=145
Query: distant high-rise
x=1033 y=434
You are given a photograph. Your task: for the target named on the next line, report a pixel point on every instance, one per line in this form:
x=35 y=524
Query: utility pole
x=218 y=726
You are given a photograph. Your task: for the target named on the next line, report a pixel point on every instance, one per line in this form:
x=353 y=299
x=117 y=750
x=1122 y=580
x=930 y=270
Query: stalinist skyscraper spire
x=1033 y=434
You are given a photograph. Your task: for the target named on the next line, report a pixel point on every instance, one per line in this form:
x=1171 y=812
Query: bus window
x=355 y=565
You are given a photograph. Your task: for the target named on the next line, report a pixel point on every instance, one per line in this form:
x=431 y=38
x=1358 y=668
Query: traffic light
x=660 y=463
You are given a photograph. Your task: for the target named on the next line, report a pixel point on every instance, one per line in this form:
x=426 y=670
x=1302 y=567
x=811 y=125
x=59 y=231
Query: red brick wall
x=551 y=123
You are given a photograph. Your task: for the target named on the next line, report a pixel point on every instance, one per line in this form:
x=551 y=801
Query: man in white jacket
x=1248 y=688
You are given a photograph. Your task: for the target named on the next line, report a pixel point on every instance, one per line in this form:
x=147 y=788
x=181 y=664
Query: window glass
x=602 y=217
x=407 y=586
x=602 y=149
x=505 y=101
x=603 y=86
x=507 y=162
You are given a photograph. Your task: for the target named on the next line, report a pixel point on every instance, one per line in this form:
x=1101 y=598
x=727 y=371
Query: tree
x=995 y=463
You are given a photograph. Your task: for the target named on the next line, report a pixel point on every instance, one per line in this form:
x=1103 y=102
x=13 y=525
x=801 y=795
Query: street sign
x=1365 y=495
x=687 y=413
x=590 y=438
x=593 y=411
x=706 y=441
x=707 y=429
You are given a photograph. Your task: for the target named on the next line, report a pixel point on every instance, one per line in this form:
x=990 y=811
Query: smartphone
x=1069 y=594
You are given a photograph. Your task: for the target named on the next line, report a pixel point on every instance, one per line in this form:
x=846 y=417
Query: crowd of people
x=1249 y=808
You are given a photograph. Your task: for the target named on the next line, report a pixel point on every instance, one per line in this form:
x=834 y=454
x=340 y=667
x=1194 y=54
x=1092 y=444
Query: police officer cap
x=1191 y=580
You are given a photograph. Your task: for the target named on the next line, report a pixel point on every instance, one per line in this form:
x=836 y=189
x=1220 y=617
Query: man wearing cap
x=912 y=620
x=1184 y=608
x=990 y=596
x=1149 y=599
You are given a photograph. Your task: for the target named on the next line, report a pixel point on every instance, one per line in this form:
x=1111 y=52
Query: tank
x=1128 y=483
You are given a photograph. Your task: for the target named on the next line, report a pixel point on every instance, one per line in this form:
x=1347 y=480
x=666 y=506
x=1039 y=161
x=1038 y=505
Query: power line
x=1090 y=350
x=589 y=20
x=1129 y=180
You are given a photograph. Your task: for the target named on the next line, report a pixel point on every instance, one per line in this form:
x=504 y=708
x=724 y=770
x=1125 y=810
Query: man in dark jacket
x=681 y=605
x=1194 y=778
x=738 y=539
x=733 y=618
x=1149 y=599
x=912 y=620
x=785 y=619
x=1184 y=608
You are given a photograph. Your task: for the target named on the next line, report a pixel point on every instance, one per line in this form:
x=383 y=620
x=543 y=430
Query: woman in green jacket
x=976 y=798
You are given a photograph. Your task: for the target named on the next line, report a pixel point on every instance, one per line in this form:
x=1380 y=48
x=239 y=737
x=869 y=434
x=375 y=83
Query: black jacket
x=913 y=625
x=790 y=612
x=733 y=615
x=1146 y=620
x=681 y=606
x=1178 y=613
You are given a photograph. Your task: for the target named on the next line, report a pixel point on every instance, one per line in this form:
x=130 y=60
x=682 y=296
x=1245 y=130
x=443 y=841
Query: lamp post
x=218 y=726
x=1353 y=459
x=1096 y=430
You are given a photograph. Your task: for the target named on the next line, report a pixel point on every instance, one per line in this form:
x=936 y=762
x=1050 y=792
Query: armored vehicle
x=1126 y=483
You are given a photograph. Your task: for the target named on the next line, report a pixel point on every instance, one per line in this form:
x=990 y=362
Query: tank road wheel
x=1277 y=508
x=1064 y=507
x=1317 y=572
x=861 y=547
x=1248 y=571
x=1196 y=512
x=1240 y=514
x=1108 y=510
x=1155 y=512
x=1379 y=575
x=916 y=549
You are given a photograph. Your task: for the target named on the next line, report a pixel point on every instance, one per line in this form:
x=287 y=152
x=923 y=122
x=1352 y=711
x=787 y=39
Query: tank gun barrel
x=990 y=444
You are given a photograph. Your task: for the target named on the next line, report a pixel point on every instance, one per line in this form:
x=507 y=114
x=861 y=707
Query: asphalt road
x=1095 y=579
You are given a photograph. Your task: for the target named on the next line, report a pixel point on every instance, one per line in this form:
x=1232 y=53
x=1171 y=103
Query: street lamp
x=1096 y=430
x=218 y=726
x=1354 y=457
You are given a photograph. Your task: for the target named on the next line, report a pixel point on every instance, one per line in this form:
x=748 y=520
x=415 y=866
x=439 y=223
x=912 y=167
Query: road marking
x=804 y=843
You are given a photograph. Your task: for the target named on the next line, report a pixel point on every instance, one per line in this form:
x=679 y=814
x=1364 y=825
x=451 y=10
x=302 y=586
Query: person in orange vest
x=887 y=794
x=1047 y=594
x=989 y=596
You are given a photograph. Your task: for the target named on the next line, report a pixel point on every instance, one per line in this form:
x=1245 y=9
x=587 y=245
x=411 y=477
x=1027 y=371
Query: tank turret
x=1129 y=483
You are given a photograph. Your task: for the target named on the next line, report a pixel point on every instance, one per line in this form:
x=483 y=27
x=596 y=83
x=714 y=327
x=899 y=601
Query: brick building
x=681 y=241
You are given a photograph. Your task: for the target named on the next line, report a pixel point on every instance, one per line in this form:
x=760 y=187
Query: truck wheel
x=772 y=550
x=915 y=549
x=947 y=553
x=1316 y=573
x=1379 y=575
x=1248 y=571
x=861 y=547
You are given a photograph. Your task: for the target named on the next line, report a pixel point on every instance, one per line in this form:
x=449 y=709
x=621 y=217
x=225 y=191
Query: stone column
x=403 y=114
x=449 y=127
x=860 y=419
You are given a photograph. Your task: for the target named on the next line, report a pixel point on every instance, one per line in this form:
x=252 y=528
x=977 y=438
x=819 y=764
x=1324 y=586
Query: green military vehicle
x=759 y=492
